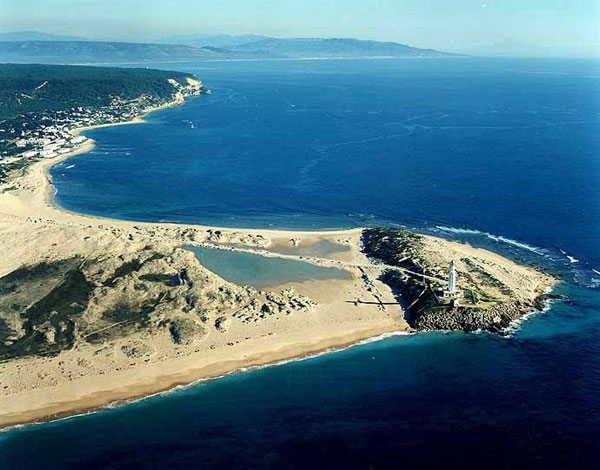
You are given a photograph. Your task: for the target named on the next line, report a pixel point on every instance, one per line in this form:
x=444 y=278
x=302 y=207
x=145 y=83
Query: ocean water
x=502 y=154
x=508 y=147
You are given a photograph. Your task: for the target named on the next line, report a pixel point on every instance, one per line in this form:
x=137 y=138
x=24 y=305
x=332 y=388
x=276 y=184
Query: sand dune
x=138 y=332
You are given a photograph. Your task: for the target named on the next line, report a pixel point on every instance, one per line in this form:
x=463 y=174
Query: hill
x=333 y=48
x=36 y=36
x=25 y=87
x=83 y=52
x=212 y=48
x=222 y=41
x=268 y=47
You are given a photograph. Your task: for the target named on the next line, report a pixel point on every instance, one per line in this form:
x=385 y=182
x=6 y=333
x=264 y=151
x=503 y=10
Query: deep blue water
x=500 y=153
x=506 y=147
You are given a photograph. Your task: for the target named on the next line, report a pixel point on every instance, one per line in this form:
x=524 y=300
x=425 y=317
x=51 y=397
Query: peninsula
x=95 y=310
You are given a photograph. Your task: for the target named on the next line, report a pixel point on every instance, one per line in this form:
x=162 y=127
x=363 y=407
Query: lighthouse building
x=451 y=294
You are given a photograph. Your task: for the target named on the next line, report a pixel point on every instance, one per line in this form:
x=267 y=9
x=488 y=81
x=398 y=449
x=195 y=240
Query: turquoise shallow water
x=502 y=154
x=259 y=271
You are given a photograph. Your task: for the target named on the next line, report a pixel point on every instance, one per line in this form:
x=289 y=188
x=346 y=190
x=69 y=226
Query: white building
x=452 y=293
x=48 y=153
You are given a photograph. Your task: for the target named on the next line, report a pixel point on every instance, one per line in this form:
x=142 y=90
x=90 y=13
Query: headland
x=95 y=310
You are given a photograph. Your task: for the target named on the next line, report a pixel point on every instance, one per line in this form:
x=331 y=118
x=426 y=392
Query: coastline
x=333 y=325
x=37 y=202
x=72 y=404
x=47 y=164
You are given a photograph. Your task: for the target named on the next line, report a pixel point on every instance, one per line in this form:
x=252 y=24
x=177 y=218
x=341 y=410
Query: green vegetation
x=486 y=304
x=46 y=325
x=124 y=270
x=396 y=247
x=26 y=87
x=185 y=330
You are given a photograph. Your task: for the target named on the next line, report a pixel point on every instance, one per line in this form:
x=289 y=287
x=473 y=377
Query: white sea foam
x=514 y=325
x=594 y=281
x=571 y=259
x=497 y=238
x=120 y=403
x=39 y=423
x=241 y=370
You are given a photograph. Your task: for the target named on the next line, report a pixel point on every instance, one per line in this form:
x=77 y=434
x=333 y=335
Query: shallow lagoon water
x=502 y=154
x=320 y=249
x=260 y=271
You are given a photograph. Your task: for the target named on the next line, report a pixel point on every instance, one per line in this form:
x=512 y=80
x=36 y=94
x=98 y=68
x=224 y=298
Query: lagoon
x=244 y=268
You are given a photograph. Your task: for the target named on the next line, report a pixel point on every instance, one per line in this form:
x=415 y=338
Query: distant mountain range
x=91 y=52
x=36 y=36
x=33 y=47
x=226 y=41
x=343 y=48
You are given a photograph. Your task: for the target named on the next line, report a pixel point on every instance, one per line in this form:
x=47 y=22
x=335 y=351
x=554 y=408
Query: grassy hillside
x=26 y=87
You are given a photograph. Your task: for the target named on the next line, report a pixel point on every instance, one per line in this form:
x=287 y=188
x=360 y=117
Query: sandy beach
x=311 y=317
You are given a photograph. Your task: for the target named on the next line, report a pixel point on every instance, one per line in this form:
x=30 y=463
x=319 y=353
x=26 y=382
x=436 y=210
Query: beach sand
x=90 y=375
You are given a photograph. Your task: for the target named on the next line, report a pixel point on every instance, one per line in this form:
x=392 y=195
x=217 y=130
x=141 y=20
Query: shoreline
x=47 y=164
x=39 y=203
x=168 y=383
x=333 y=325
x=186 y=385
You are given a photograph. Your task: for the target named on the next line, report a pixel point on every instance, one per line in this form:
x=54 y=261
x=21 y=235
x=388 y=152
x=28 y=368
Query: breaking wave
x=498 y=238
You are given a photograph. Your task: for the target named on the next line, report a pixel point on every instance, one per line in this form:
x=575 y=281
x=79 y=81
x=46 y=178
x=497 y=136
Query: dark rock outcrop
x=489 y=304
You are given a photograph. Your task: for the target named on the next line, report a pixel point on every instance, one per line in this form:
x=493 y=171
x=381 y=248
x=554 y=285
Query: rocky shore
x=494 y=293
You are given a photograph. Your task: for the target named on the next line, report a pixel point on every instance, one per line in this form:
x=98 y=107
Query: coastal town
x=50 y=133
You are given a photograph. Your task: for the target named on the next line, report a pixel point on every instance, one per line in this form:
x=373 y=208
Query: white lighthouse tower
x=451 y=294
x=452 y=278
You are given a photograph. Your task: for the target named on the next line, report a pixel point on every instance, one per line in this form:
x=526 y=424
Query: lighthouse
x=452 y=278
x=451 y=294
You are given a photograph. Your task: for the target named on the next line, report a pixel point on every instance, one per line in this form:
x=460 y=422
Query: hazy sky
x=442 y=24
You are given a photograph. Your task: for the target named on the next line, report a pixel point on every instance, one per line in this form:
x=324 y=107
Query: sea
x=503 y=154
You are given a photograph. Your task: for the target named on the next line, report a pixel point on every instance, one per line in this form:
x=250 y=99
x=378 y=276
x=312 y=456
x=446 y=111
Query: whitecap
x=498 y=238
x=571 y=259
x=514 y=325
